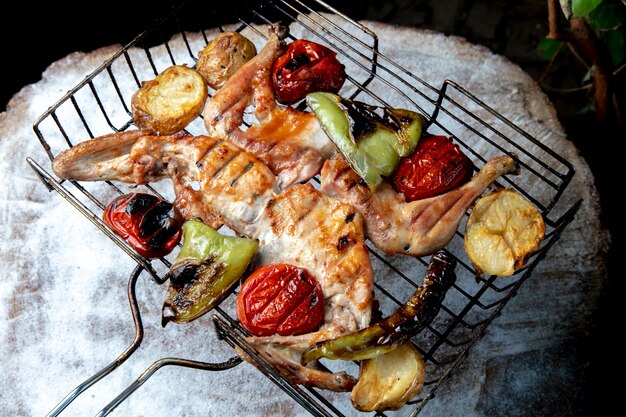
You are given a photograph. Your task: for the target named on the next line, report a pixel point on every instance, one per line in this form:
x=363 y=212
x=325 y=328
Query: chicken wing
x=289 y=141
x=417 y=228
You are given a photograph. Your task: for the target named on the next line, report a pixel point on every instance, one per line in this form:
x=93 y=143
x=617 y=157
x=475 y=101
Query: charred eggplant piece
x=208 y=264
x=372 y=139
x=398 y=328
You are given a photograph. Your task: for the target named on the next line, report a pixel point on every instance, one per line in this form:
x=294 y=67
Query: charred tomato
x=304 y=68
x=148 y=223
x=436 y=166
x=280 y=298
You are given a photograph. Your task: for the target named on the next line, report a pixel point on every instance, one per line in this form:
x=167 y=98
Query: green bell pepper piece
x=207 y=265
x=372 y=139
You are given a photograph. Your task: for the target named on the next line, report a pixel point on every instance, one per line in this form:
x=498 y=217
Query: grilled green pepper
x=398 y=328
x=372 y=139
x=206 y=267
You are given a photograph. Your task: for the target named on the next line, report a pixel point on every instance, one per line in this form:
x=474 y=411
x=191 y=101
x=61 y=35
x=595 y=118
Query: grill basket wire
x=471 y=303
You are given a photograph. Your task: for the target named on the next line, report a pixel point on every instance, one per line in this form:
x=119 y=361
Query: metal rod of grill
x=134 y=308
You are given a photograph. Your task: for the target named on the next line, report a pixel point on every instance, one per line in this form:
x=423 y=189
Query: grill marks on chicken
x=217 y=181
x=289 y=141
x=297 y=221
x=303 y=227
x=417 y=228
x=236 y=185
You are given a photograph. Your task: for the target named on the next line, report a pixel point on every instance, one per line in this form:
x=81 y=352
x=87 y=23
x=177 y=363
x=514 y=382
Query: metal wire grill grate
x=470 y=305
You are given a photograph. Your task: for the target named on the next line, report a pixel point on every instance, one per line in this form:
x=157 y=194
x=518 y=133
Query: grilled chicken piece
x=284 y=352
x=303 y=227
x=417 y=228
x=136 y=157
x=289 y=141
x=104 y=159
x=216 y=180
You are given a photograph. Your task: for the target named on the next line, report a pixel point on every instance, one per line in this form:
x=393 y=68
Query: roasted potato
x=171 y=101
x=503 y=229
x=388 y=381
x=223 y=57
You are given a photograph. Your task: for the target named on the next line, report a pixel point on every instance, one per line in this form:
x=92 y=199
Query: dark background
x=34 y=36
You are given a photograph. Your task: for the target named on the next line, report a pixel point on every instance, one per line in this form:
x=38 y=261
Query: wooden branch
x=554 y=9
x=589 y=44
x=618 y=112
x=553 y=19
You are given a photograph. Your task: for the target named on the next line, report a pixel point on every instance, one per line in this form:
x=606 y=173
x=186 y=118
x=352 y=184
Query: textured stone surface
x=64 y=308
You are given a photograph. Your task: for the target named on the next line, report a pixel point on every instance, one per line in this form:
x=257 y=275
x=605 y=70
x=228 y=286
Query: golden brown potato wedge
x=388 y=381
x=223 y=57
x=171 y=101
x=503 y=229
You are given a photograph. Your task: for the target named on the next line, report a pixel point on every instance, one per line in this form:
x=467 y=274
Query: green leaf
x=586 y=109
x=548 y=48
x=584 y=7
x=615 y=43
x=608 y=15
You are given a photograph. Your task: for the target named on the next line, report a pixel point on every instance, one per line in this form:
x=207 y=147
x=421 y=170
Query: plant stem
x=594 y=50
x=553 y=20
x=585 y=40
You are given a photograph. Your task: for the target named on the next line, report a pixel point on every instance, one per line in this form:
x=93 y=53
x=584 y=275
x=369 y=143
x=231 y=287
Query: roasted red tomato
x=304 y=68
x=281 y=299
x=435 y=167
x=149 y=224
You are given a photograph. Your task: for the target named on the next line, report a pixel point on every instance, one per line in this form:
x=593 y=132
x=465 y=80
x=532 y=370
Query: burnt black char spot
x=344 y=242
x=160 y=217
x=365 y=118
x=297 y=61
x=350 y=217
x=302 y=276
x=182 y=275
x=140 y=202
